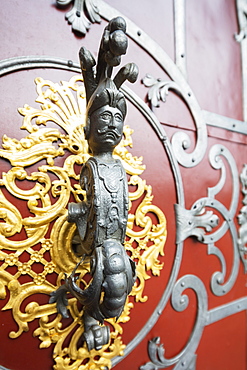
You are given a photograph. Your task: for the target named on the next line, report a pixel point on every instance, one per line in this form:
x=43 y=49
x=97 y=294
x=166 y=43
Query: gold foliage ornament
x=45 y=236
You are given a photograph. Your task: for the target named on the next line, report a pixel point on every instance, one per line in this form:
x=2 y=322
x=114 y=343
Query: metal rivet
x=182 y=55
x=70 y=63
x=139 y=33
x=78 y=13
x=189 y=94
x=182 y=284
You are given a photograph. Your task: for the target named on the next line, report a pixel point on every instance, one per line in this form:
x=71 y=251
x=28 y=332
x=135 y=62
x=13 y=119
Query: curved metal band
x=156 y=52
x=30 y=62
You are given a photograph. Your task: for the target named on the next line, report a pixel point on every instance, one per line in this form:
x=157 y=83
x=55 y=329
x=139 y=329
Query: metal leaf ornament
x=77 y=16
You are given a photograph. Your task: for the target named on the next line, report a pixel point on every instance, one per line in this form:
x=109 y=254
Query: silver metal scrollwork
x=192 y=222
x=180 y=141
x=77 y=16
x=186 y=359
x=241 y=6
x=242 y=220
x=217 y=153
x=202 y=222
x=180 y=302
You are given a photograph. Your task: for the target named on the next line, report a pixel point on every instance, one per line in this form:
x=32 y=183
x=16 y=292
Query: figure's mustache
x=105 y=129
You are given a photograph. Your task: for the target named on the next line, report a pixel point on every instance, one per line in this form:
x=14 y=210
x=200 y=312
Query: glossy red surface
x=214 y=75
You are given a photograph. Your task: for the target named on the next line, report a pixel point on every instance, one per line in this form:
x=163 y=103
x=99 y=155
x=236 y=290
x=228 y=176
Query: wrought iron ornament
x=242 y=220
x=82 y=13
x=101 y=218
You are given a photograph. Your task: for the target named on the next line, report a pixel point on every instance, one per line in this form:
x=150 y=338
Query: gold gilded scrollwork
x=37 y=228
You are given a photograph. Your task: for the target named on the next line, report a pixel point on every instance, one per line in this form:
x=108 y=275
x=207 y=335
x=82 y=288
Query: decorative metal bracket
x=82 y=13
x=193 y=222
x=242 y=220
x=101 y=218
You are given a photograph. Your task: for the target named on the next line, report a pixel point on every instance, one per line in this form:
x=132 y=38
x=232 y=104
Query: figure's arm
x=77 y=212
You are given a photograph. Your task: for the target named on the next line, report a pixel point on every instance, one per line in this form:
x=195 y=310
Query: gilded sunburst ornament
x=44 y=177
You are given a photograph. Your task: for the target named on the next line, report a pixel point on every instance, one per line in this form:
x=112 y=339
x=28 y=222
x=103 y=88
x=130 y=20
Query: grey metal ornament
x=176 y=73
x=186 y=358
x=81 y=15
x=101 y=218
x=191 y=222
x=242 y=220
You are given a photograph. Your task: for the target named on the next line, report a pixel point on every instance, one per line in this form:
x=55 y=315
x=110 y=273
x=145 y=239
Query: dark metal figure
x=102 y=217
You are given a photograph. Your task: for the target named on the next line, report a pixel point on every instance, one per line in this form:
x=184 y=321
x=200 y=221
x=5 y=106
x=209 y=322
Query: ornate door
x=185 y=154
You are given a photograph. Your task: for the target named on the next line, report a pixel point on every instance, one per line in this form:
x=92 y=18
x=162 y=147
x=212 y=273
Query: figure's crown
x=101 y=89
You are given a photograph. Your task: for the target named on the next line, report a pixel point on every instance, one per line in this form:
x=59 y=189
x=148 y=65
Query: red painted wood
x=214 y=74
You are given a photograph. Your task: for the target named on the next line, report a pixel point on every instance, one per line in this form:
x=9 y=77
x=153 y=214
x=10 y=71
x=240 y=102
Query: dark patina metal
x=101 y=218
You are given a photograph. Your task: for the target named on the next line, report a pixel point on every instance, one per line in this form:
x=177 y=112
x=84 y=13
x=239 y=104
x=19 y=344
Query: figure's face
x=106 y=129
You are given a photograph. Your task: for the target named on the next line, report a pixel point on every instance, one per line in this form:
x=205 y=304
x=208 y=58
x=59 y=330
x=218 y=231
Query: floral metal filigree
x=44 y=177
x=192 y=222
x=242 y=220
x=82 y=13
x=181 y=142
